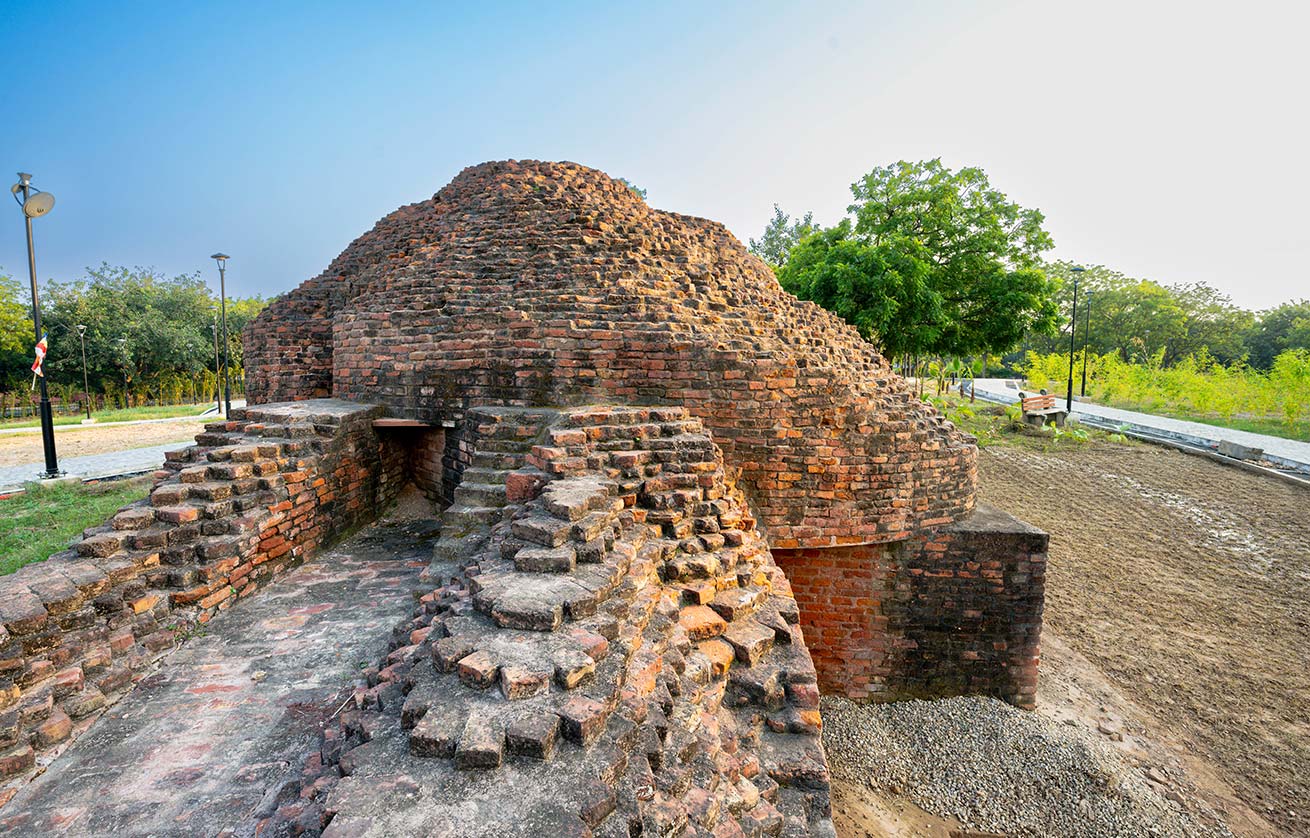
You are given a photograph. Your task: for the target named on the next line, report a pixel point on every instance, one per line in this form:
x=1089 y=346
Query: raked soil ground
x=1176 y=630
x=79 y=441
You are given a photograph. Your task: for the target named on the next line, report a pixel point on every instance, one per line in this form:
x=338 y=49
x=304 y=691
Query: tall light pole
x=218 y=392
x=221 y=259
x=126 y=358
x=86 y=387
x=35 y=204
x=1073 y=331
x=1087 y=336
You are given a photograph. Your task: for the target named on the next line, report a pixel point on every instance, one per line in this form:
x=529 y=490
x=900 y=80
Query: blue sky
x=1163 y=140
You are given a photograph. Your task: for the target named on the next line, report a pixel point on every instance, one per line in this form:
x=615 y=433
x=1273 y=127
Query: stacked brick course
x=525 y=283
x=255 y=496
x=606 y=642
x=529 y=283
x=956 y=611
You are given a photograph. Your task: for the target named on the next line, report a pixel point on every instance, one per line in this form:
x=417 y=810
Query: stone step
x=480 y=494
x=480 y=474
x=458 y=548
x=461 y=520
x=498 y=461
x=500 y=446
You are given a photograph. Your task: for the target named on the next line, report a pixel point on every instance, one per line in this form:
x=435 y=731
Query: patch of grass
x=36 y=524
x=121 y=415
x=1268 y=425
x=998 y=424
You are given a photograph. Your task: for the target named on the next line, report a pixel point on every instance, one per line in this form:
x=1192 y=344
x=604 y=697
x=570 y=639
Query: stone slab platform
x=209 y=740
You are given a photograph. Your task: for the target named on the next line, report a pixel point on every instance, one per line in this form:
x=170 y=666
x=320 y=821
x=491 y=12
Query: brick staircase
x=600 y=600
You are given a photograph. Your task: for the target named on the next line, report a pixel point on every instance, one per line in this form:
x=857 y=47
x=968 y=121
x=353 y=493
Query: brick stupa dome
x=526 y=283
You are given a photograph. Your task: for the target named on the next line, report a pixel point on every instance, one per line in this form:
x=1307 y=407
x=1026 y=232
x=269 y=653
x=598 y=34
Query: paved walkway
x=1291 y=452
x=76 y=427
x=129 y=461
x=210 y=740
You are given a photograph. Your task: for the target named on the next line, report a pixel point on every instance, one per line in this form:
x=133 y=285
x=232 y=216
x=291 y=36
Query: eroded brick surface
x=221 y=729
x=581 y=694
x=530 y=283
x=256 y=495
x=603 y=645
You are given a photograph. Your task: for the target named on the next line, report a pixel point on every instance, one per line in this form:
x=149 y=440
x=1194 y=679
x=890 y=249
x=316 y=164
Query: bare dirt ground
x=1186 y=584
x=17 y=449
x=1176 y=628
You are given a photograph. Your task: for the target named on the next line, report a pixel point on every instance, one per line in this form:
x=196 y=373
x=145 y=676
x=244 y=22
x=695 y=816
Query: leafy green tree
x=1278 y=330
x=640 y=193
x=16 y=337
x=780 y=236
x=1213 y=325
x=934 y=262
x=15 y=316
x=880 y=290
x=1140 y=319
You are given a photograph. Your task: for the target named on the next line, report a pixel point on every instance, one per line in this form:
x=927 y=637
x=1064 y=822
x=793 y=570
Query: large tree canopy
x=1279 y=329
x=780 y=236
x=142 y=329
x=1139 y=318
x=934 y=262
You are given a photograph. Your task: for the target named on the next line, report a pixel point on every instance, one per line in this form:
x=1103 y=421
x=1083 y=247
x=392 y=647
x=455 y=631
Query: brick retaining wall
x=528 y=283
x=957 y=611
x=255 y=496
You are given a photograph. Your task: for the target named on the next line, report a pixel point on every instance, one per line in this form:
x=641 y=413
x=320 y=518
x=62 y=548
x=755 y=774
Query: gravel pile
x=998 y=769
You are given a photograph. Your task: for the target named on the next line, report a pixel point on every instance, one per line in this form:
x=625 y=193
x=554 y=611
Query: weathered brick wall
x=600 y=600
x=426 y=466
x=255 y=496
x=841 y=593
x=956 y=611
x=461 y=444
x=550 y=284
x=527 y=283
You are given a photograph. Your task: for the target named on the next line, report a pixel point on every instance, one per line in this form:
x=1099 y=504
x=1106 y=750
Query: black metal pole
x=47 y=416
x=218 y=391
x=1073 y=330
x=227 y=389
x=86 y=386
x=1087 y=333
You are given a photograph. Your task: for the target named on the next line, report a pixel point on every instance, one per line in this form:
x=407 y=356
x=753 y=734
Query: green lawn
x=35 y=524
x=121 y=415
x=1269 y=425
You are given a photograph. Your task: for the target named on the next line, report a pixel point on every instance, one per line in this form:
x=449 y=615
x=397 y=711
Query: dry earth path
x=17 y=449
x=1187 y=584
x=212 y=739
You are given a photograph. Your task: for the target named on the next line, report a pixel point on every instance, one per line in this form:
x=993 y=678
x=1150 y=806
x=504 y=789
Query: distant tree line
x=149 y=338
x=931 y=262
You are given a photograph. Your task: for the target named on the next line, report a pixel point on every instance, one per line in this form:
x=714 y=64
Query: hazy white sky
x=1165 y=140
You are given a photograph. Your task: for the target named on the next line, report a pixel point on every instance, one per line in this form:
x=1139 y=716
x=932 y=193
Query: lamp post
x=1073 y=332
x=221 y=259
x=218 y=393
x=127 y=357
x=1087 y=336
x=86 y=387
x=35 y=204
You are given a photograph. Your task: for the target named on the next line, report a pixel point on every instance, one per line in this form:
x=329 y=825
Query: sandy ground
x=1176 y=626
x=1186 y=583
x=78 y=441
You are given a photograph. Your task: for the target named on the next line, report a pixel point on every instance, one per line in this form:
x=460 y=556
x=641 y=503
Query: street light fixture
x=86 y=387
x=35 y=204
x=1073 y=332
x=1087 y=336
x=218 y=391
x=127 y=360
x=221 y=259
